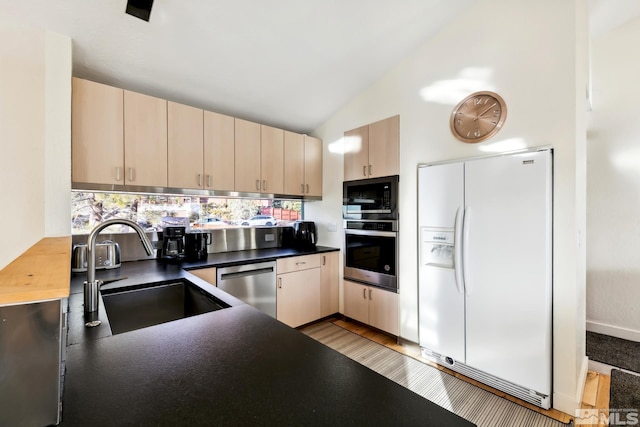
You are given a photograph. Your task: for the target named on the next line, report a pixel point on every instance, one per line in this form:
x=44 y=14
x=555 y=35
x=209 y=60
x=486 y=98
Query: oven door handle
x=372 y=233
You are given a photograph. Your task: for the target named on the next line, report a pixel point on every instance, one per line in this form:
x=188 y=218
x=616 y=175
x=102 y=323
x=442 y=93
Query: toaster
x=107 y=256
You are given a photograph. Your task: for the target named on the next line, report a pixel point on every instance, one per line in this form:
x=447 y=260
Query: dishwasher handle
x=257 y=271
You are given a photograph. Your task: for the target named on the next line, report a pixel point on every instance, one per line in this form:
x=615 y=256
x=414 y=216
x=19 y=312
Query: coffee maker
x=172 y=244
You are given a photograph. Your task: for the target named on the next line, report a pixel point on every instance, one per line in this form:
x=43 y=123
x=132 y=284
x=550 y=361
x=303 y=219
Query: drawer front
x=298 y=263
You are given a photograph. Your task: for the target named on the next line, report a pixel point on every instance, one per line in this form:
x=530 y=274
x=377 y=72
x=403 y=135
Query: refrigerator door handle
x=465 y=248
x=457 y=250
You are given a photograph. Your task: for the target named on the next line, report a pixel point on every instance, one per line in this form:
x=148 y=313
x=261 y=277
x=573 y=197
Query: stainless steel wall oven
x=371 y=252
x=370 y=212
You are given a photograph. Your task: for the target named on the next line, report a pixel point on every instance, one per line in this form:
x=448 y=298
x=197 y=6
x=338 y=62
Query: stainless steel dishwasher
x=254 y=284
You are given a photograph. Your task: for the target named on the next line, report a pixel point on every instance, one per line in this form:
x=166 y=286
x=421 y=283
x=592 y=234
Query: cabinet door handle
x=369 y=170
x=280 y=282
x=264 y=185
x=324 y=260
x=364 y=293
x=301 y=263
x=364 y=170
x=258 y=184
x=208 y=180
x=130 y=174
x=302 y=188
x=117 y=173
x=199 y=180
x=307 y=188
x=370 y=292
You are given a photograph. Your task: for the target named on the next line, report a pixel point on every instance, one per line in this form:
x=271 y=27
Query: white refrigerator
x=485 y=270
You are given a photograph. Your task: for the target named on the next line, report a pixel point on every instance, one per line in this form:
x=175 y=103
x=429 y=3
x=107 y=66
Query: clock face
x=478 y=117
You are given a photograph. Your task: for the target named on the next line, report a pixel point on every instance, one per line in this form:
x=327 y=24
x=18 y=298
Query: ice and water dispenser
x=437 y=247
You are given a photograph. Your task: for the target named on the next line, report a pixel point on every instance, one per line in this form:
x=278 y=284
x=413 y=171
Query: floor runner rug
x=625 y=397
x=475 y=404
x=614 y=351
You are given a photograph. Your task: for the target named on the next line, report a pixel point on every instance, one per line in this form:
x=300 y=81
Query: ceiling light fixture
x=140 y=8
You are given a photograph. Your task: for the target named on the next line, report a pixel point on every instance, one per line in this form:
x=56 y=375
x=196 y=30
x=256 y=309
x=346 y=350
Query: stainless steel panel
x=254 y=284
x=130 y=247
x=245 y=238
x=223 y=240
x=30 y=353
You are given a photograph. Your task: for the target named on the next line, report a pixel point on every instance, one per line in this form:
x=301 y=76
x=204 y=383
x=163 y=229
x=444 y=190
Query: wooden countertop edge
x=41 y=273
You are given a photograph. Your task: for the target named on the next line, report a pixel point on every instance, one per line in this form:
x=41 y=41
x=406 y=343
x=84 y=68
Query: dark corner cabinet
x=32 y=353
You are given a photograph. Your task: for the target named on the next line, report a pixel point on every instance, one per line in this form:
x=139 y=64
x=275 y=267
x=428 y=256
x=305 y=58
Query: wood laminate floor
x=596 y=391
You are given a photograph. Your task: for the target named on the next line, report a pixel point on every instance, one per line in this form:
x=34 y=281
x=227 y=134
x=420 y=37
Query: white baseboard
x=568 y=403
x=614 y=331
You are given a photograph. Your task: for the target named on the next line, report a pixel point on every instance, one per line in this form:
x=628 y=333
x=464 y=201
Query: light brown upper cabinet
x=259 y=158
x=118 y=137
x=293 y=163
x=247 y=156
x=145 y=140
x=97 y=128
x=219 y=155
x=302 y=165
x=312 y=166
x=186 y=146
x=272 y=160
x=133 y=140
x=372 y=151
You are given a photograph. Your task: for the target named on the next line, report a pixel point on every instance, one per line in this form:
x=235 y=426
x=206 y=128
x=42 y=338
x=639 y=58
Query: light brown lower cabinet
x=298 y=289
x=373 y=306
x=206 y=274
x=298 y=297
x=306 y=287
x=329 y=286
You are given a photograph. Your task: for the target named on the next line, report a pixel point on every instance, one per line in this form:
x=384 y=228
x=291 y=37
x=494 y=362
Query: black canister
x=305 y=234
x=196 y=245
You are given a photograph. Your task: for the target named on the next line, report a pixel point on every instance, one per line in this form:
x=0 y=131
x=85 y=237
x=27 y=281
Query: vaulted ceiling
x=287 y=63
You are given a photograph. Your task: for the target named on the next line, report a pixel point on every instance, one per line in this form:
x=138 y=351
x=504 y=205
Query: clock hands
x=485 y=110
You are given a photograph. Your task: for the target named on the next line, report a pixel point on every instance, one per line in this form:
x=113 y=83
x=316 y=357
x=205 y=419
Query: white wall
x=613 y=227
x=34 y=136
x=526 y=52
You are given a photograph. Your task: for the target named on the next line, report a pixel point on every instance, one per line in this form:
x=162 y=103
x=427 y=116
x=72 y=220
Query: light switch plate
x=332 y=226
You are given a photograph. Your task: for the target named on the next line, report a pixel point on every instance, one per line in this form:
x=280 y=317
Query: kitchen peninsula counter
x=235 y=366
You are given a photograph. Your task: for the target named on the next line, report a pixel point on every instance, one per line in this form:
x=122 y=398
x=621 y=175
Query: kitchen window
x=154 y=211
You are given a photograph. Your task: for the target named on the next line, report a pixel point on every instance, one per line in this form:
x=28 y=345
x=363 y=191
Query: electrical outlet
x=332 y=227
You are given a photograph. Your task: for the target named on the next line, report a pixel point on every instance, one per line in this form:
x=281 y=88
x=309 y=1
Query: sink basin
x=129 y=309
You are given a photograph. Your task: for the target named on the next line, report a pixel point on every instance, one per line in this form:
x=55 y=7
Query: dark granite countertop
x=236 y=366
x=152 y=271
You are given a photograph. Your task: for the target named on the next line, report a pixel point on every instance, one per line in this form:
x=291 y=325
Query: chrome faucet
x=92 y=286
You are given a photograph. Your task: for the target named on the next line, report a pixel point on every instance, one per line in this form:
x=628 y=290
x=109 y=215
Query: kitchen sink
x=134 y=308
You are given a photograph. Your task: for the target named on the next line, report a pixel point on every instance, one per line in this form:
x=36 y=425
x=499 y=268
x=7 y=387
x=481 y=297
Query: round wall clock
x=478 y=117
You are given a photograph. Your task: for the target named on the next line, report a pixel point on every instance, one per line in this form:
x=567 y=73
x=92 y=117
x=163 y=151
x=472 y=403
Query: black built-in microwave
x=371 y=199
